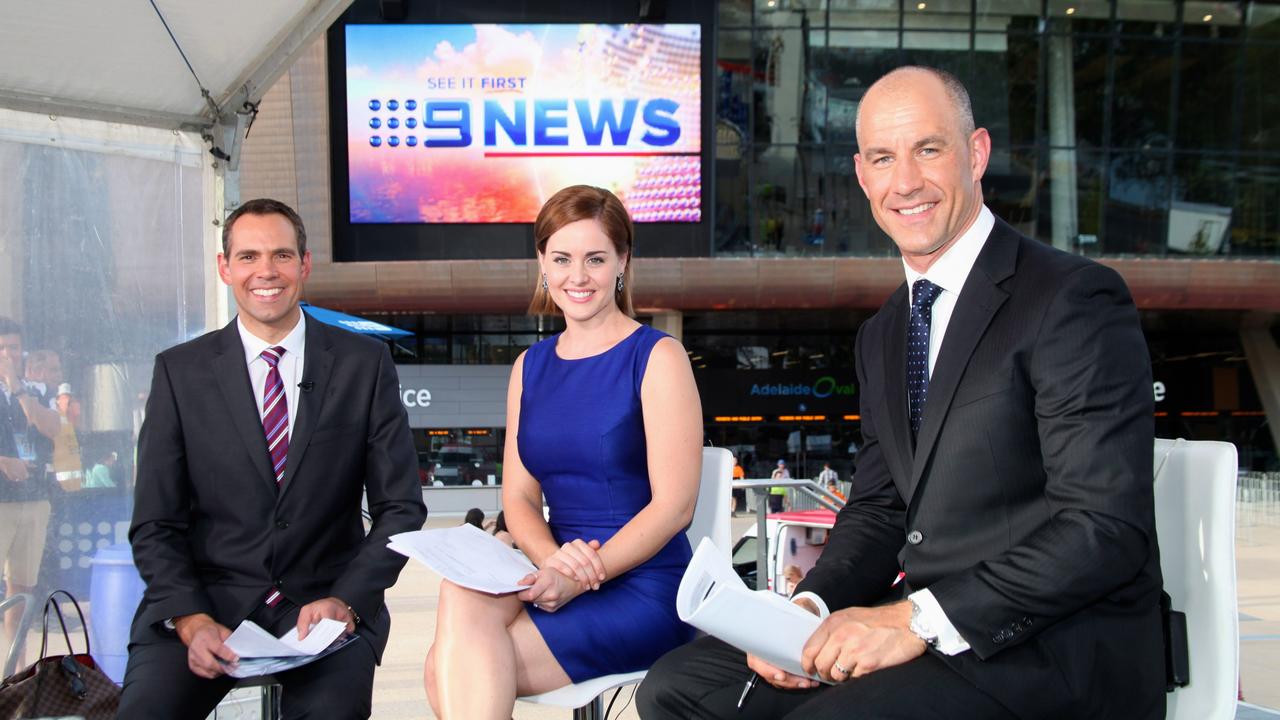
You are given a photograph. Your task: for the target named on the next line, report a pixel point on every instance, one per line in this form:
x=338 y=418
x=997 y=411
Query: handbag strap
x=52 y=602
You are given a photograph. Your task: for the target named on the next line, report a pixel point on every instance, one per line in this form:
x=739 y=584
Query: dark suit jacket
x=1025 y=505
x=212 y=533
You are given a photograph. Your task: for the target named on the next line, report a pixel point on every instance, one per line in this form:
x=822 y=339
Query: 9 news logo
x=532 y=124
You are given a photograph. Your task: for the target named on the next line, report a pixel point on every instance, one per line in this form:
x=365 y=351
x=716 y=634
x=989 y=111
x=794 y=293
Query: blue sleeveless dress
x=582 y=436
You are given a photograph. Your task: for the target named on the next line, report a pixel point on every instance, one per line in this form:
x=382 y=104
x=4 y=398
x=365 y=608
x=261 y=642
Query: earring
x=544 y=282
x=619 y=282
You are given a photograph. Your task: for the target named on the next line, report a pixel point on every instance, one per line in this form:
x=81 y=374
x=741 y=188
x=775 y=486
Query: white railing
x=1257 y=502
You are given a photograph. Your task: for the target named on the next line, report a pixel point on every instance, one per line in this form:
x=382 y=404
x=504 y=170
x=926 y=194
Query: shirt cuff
x=823 y=612
x=932 y=617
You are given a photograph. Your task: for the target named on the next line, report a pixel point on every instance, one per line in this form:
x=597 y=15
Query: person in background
x=828 y=476
x=27 y=425
x=833 y=487
x=739 y=496
x=498 y=528
x=99 y=475
x=778 y=495
x=605 y=420
x=474 y=516
x=791 y=577
x=68 y=467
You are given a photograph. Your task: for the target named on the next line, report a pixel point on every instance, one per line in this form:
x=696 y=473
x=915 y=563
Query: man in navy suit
x=997 y=557
x=259 y=440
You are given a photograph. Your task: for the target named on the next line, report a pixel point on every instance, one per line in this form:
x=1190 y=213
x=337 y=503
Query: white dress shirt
x=290 y=365
x=949 y=272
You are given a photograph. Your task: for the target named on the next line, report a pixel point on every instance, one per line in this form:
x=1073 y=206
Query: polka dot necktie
x=275 y=413
x=923 y=293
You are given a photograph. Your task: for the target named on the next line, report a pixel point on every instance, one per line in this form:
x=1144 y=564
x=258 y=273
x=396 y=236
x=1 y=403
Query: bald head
x=920 y=161
x=921 y=78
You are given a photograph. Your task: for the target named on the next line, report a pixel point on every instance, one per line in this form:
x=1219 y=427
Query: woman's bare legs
x=486 y=652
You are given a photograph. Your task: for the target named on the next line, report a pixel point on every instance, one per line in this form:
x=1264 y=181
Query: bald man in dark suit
x=997 y=558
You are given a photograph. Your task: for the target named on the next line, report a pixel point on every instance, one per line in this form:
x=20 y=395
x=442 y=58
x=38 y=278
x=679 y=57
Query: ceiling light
x=1071 y=11
x=1207 y=18
x=921 y=6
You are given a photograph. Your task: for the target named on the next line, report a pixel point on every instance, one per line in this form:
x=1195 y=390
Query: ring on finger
x=840 y=669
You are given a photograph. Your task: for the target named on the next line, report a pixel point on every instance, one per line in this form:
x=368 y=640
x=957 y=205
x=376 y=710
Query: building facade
x=1142 y=133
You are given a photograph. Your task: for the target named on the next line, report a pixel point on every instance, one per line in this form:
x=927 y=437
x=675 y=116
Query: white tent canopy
x=115 y=59
x=111 y=202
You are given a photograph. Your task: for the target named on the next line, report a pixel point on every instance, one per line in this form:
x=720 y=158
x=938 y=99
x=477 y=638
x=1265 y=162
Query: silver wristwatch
x=920 y=628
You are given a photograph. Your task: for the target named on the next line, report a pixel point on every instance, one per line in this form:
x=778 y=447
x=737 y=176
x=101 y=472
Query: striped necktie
x=275 y=413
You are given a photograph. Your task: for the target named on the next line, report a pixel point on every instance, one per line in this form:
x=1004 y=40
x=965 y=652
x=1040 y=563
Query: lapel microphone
x=306 y=385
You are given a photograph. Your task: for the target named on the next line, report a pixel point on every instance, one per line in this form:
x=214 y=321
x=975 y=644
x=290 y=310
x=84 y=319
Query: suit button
x=279 y=582
x=282 y=524
x=915 y=537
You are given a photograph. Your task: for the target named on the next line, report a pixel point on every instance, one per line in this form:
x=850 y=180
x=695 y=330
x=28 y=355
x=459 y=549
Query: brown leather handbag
x=60 y=685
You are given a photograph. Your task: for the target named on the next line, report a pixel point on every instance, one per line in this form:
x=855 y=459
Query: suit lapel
x=979 y=300
x=895 y=382
x=316 y=369
x=233 y=381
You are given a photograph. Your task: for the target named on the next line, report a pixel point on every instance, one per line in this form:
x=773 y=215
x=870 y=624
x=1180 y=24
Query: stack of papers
x=713 y=599
x=261 y=653
x=467 y=556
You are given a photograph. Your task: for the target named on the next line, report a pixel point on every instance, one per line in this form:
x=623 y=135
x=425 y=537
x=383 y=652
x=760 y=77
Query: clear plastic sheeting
x=106 y=258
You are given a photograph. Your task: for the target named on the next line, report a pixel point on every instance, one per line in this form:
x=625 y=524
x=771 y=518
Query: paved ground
x=398 y=692
x=1258 y=579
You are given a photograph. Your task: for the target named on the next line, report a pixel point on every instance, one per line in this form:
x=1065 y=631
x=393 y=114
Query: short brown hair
x=584 y=202
x=266 y=206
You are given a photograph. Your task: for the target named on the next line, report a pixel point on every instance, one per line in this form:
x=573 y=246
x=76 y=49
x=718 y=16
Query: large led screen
x=482 y=123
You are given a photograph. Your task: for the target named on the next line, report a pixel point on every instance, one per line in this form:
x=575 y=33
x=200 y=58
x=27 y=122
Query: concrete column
x=671 y=323
x=1062 y=139
x=1264 y=364
x=13 y=251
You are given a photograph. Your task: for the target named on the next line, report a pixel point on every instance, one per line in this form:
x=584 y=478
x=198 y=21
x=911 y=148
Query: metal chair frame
x=24 y=628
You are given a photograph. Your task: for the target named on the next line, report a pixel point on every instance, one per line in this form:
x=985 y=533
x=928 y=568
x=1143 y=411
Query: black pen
x=746 y=690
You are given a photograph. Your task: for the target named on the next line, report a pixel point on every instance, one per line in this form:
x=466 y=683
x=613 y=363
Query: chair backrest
x=711 y=514
x=1195 y=493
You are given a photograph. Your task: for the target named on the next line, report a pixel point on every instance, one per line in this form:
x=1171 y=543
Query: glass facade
x=1131 y=127
x=459 y=456
x=466 y=339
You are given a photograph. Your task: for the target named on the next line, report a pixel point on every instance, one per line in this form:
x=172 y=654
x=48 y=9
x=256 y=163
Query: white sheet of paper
x=251 y=641
x=253 y=667
x=467 y=556
x=713 y=599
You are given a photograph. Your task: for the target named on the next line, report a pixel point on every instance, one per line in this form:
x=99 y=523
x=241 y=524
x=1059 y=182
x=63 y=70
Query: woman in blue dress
x=604 y=420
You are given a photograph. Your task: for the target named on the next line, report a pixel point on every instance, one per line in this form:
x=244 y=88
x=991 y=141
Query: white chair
x=710 y=519
x=1195 y=493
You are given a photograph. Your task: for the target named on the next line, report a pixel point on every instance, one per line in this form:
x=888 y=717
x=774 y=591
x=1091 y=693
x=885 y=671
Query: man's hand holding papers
x=857 y=641
x=261 y=653
x=769 y=628
x=204 y=637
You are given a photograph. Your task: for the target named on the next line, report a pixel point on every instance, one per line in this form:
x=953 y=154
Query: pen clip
x=746 y=690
